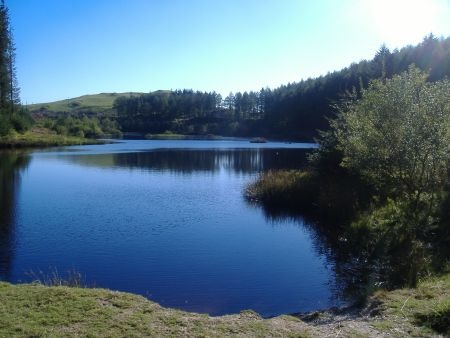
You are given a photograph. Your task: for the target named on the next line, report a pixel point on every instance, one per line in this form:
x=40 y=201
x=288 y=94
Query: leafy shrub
x=5 y=125
x=397 y=134
x=21 y=121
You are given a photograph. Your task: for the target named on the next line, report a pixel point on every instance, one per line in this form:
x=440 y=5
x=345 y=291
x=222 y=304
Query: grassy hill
x=97 y=104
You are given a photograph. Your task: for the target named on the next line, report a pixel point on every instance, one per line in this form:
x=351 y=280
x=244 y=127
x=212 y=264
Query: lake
x=164 y=219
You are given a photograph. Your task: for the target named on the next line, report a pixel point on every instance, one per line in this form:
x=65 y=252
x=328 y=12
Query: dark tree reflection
x=11 y=164
x=245 y=161
x=357 y=268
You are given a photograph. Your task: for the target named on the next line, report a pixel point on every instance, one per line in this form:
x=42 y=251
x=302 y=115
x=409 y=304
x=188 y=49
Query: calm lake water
x=164 y=219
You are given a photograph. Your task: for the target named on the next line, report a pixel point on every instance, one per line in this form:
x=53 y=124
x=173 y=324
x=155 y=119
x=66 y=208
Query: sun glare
x=400 y=22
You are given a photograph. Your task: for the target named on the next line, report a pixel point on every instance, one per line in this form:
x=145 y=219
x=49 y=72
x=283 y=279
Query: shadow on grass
x=438 y=319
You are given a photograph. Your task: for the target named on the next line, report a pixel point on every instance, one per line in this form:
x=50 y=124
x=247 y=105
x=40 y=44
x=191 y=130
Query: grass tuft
x=72 y=278
x=283 y=188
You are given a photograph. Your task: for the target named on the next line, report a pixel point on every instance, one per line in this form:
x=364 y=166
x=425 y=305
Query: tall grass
x=71 y=278
x=288 y=188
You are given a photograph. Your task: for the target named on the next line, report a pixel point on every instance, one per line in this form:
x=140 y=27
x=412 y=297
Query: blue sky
x=68 y=48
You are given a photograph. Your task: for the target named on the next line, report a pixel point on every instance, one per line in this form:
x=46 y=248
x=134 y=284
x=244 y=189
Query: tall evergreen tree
x=14 y=91
x=9 y=90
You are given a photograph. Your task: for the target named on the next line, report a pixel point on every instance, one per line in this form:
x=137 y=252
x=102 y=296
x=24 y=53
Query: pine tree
x=9 y=90
x=14 y=91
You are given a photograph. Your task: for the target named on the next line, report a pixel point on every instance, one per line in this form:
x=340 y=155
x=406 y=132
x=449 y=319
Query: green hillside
x=87 y=104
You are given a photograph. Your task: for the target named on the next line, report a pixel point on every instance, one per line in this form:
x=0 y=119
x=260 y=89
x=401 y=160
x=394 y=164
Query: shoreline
x=39 y=310
x=32 y=139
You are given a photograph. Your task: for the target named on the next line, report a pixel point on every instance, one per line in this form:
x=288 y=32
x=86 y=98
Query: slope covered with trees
x=295 y=110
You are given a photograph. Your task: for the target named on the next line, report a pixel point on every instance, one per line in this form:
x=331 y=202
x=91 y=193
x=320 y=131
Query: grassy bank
x=33 y=310
x=174 y=136
x=40 y=137
x=420 y=312
x=40 y=311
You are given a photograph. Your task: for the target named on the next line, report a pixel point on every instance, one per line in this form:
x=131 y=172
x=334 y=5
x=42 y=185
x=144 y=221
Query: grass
x=168 y=135
x=283 y=188
x=41 y=137
x=423 y=311
x=35 y=310
x=98 y=103
x=333 y=197
x=165 y=136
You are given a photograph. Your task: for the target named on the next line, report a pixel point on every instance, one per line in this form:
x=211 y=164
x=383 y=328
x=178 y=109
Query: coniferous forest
x=295 y=110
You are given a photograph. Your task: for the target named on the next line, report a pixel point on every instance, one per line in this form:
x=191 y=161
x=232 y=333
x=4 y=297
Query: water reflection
x=211 y=253
x=245 y=161
x=209 y=259
x=353 y=271
x=11 y=164
x=351 y=274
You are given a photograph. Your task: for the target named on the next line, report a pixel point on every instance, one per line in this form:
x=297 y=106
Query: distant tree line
x=295 y=110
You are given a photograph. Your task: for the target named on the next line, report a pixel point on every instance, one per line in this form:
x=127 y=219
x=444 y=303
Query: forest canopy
x=295 y=110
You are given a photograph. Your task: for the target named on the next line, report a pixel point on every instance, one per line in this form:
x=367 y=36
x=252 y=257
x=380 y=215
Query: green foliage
x=381 y=179
x=17 y=120
x=40 y=137
x=397 y=136
x=327 y=157
x=393 y=243
x=89 y=127
x=5 y=125
x=21 y=120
